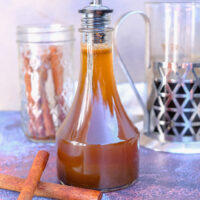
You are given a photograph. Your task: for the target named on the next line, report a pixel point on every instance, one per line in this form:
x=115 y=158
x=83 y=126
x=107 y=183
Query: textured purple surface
x=162 y=176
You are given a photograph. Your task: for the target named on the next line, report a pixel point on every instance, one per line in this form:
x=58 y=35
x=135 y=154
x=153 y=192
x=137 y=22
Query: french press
x=172 y=111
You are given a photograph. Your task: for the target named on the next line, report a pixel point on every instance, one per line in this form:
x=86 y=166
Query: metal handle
x=147 y=58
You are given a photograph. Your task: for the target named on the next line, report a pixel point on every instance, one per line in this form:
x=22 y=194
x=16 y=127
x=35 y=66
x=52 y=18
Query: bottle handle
x=147 y=57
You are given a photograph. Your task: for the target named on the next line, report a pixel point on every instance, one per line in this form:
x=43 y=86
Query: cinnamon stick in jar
x=57 y=70
x=38 y=76
x=46 y=112
x=50 y=190
x=35 y=124
x=36 y=128
x=33 y=178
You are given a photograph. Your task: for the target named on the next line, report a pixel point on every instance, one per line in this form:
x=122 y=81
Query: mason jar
x=47 y=86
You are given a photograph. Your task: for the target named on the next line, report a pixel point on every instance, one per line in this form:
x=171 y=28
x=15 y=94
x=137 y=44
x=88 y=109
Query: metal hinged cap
x=95 y=17
x=96 y=7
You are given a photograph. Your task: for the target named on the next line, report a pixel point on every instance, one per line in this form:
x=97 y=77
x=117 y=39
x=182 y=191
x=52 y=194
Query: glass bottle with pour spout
x=97 y=144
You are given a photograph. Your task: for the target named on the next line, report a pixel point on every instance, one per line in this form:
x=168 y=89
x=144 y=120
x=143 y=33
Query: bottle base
x=108 y=189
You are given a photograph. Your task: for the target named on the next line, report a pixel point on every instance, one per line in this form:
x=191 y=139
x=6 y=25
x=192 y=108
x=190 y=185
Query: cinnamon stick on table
x=50 y=190
x=33 y=178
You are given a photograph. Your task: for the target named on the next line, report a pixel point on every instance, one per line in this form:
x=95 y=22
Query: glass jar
x=47 y=86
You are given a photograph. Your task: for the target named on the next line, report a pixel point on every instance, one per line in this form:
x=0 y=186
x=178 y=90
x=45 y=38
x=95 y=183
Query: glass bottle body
x=97 y=145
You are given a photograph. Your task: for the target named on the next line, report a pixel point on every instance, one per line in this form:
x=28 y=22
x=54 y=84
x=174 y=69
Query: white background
x=19 y=12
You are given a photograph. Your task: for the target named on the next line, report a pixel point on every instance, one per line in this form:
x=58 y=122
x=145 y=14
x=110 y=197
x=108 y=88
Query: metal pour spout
x=97 y=2
x=95 y=16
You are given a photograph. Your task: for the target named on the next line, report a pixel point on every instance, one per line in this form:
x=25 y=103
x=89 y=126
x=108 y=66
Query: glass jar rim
x=43 y=28
x=48 y=33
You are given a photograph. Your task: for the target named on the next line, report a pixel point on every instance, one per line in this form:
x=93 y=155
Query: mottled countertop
x=163 y=176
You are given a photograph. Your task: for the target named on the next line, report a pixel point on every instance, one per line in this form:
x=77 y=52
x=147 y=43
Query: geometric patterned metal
x=175 y=102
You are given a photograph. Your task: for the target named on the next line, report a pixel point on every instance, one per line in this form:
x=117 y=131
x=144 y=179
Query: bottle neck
x=96 y=50
x=96 y=37
x=97 y=64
